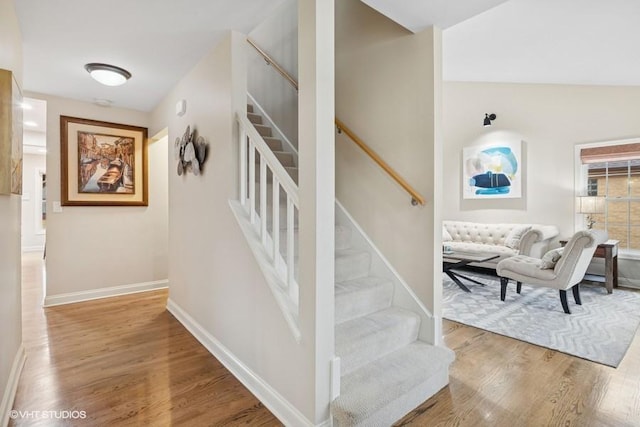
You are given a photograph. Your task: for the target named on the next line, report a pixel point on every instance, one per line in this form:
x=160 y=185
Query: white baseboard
x=629 y=283
x=276 y=403
x=33 y=248
x=12 y=385
x=73 y=297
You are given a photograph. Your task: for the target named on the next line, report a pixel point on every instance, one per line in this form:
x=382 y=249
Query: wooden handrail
x=270 y=61
x=416 y=198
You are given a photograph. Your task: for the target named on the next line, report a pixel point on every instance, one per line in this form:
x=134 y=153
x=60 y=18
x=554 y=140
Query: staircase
x=386 y=371
x=288 y=159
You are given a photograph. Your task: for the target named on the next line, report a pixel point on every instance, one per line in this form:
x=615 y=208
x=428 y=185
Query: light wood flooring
x=127 y=362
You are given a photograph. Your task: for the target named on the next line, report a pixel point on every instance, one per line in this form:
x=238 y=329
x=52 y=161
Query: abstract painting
x=492 y=171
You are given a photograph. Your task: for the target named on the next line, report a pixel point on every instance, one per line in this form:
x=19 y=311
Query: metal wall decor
x=191 y=152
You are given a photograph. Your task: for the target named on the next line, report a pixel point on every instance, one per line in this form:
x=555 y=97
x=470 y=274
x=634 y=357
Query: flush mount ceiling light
x=106 y=74
x=488 y=118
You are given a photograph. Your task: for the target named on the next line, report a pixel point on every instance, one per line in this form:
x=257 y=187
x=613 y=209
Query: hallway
x=121 y=361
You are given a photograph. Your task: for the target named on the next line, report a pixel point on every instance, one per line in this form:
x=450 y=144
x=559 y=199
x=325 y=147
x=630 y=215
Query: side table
x=609 y=251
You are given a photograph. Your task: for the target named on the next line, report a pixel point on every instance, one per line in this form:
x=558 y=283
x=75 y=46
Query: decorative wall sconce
x=191 y=152
x=488 y=118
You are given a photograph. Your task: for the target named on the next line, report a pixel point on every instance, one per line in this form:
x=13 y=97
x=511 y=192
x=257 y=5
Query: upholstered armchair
x=571 y=264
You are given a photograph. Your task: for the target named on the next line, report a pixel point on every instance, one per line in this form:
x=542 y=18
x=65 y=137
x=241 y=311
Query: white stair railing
x=267 y=222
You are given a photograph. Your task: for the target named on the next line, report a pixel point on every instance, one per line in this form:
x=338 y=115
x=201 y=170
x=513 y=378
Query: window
x=613 y=171
x=592 y=187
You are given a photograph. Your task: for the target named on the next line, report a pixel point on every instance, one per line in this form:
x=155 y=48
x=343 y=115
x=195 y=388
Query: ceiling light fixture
x=488 y=118
x=108 y=75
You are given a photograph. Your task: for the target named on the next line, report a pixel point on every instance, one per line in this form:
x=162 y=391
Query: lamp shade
x=591 y=204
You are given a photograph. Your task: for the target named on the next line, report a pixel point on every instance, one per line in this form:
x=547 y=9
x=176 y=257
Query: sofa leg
x=503 y=287
x=576 y=294
x=518 y=287
x=563 y=300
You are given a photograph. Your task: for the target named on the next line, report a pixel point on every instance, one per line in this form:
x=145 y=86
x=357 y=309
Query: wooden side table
x=609 y=251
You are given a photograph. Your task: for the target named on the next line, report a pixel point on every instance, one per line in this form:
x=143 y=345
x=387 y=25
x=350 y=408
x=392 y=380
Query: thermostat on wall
x=181 y=107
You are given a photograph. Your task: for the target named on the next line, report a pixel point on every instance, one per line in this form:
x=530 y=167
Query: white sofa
x=507 y=240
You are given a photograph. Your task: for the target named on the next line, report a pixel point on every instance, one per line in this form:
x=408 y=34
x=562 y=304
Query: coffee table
x=459 y=259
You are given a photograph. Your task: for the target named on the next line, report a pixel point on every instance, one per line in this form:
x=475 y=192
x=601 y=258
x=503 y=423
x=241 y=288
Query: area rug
x=600 y=330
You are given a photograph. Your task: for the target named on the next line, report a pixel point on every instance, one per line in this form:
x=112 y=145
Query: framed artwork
x=492 y=171
x=10 y=135
x=102 y=164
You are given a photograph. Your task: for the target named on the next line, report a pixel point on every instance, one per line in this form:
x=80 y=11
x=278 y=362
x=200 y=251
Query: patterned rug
x=600 y=330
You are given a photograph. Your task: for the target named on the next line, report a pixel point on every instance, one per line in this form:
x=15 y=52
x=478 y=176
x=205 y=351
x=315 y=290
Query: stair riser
x=352 y=267
x=399 y=330
x=351 y=305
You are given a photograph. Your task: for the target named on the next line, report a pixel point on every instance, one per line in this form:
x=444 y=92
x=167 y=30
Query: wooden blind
x=610 y=153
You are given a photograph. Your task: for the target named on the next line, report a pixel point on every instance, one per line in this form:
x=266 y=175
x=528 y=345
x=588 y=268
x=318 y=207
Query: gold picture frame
x=10 y=134
x=102 y=163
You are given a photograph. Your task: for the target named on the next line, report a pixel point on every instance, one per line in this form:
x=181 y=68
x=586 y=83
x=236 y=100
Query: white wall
x=94 y=247
x=213 y=275
x=10 y=275
x=33 y=237
x=551 y=120
x=278 y=37
x=388 y=84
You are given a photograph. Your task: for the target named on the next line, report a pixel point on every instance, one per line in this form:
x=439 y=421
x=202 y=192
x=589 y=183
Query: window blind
x=610 y=153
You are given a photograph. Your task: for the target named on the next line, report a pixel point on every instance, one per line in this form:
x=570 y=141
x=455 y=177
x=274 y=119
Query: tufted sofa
x=504 y=239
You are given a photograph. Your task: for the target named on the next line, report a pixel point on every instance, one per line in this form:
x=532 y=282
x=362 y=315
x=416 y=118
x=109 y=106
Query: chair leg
x=518 y=287
x=503 y=287
x=563 y=300
x=576 y=294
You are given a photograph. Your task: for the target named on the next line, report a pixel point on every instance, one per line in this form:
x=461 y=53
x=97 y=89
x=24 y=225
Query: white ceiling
x=158 y=41
x=591 y=42
x=417 y=15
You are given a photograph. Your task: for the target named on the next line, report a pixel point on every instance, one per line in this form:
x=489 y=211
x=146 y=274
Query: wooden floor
x=127 y=362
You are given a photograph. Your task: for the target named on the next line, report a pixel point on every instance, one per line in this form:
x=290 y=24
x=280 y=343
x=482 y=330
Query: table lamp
x=590 y=205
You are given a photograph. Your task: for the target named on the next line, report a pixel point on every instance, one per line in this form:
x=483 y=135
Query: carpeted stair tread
x=364 y=339
x=362 y=296
x=351 y=264
x=382 y=392
x=286 y=159
x=263 y=130
x=249 y=108
x=274 y=144
x=254 y=118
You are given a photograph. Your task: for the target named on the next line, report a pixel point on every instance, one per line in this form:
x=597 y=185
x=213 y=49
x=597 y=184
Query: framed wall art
x=102 y=164
x=10 y=134
x=492 y=171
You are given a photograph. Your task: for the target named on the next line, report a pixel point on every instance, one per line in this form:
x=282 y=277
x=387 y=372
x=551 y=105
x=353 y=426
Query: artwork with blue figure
x=492 y=171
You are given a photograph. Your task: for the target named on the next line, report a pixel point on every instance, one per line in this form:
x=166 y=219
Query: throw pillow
x=551 y=258
x=446 y=237
x=513 y=238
